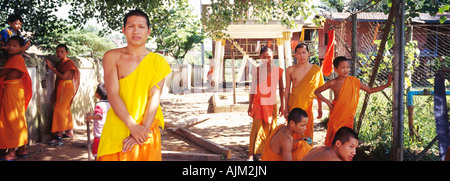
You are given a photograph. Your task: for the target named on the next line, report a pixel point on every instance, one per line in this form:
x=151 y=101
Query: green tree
x=175 y=29
x=38 y=16
x=221 y=13
x=86 y=42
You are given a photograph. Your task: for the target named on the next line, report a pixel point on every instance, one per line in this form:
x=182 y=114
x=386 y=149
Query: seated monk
x=280 y=145
x=343 y=148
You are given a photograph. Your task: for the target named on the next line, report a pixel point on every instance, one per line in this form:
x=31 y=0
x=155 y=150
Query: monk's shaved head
x=344 y=134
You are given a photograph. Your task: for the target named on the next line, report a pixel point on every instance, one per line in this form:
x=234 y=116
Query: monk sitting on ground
x=346 y=96
x=343 y=148
x=280 y=145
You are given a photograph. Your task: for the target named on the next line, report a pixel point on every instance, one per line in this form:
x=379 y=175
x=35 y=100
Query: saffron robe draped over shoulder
x=265 y=99
x=302 y=96
x=134 y=91
x=300 y=149
x=344 y=108
x=64 y=92
x=14 y=98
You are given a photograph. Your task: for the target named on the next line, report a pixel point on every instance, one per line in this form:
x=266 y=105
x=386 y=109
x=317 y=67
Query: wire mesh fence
x=426 y=52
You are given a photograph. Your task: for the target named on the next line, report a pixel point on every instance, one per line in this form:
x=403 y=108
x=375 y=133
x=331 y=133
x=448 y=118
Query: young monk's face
x=300 y=127
x=136 y=30
x=266 y=57
x=61 y=53
x=343 y=69
x=13 y=47
x=302 y=55
x=15 y=25
x=347 y=150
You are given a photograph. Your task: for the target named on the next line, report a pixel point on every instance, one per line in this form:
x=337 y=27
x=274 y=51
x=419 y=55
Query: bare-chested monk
x=134 y=79
x=281 y=145
x=343 y=148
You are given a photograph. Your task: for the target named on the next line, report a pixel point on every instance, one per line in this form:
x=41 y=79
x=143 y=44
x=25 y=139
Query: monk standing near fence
x=134 y=78
x=66 y=86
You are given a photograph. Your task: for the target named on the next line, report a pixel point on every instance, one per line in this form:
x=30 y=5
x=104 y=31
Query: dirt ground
x=230 y=129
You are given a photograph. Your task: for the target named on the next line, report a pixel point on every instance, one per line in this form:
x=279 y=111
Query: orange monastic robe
x=264 y=112
x=302 y=96
x=134 y=91
x=64 y=92
x=300 y=149
x=14 y=98
x=344 y=108
x=264 y=101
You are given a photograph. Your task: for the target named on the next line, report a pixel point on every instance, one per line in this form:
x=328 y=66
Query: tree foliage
x=412 y=7
x=38 y=16
x=221 y=14
x=85 y=42
x=174 y=27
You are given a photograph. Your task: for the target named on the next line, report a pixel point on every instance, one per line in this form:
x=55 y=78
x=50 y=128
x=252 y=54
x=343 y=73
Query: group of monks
x=304 y=83
x=134 y=78
x=16 y=93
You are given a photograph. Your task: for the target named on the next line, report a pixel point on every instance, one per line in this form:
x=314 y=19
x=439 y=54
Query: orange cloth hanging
x=327 y=64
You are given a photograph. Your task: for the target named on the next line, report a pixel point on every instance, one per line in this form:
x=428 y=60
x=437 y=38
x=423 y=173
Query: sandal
x=56 y=141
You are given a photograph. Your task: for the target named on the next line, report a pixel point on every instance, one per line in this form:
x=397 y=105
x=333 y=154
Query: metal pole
x=354 y=43
x=399 y=70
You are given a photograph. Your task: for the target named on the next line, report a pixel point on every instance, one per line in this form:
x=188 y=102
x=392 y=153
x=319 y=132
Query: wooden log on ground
x=203 y=142
x=190 y=121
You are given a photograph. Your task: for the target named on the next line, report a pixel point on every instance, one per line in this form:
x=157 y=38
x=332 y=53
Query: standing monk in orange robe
x=134 y=79
x=281 y=145
x=263 y=102
x=346 y=96
x=66 y=86
x=15 y=94
x=305 y=78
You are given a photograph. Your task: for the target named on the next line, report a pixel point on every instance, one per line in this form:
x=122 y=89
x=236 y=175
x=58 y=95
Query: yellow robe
x=134 y=91
x=301 y=148
x=344 y=108
x=302 y=96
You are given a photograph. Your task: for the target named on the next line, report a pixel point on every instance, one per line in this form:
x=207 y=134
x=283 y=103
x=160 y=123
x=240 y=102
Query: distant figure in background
x=210 y=74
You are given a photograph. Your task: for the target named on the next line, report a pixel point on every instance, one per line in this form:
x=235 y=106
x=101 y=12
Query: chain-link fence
x=426 y=52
